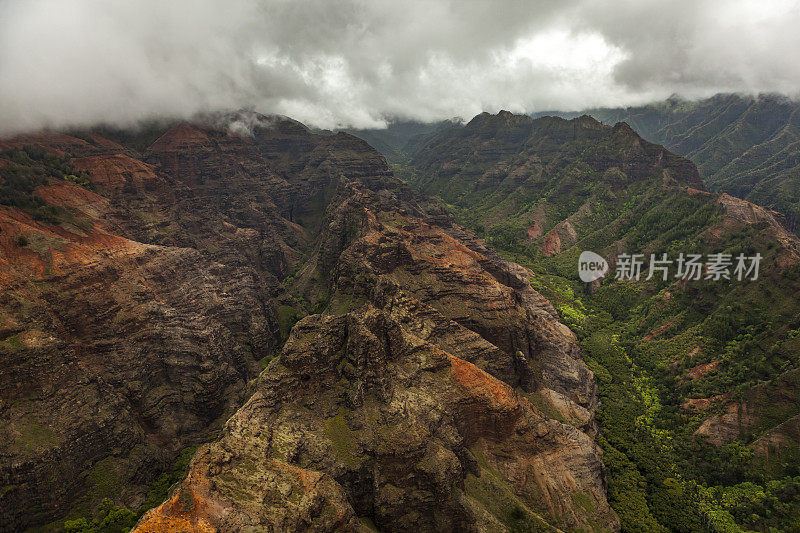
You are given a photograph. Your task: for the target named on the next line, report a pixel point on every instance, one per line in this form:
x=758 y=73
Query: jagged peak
x=624 y=128
x=502 y=119
x=588 y=121
x=478 y=119
x=585 y=121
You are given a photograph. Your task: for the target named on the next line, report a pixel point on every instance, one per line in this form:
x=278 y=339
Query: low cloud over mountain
x=353 y=63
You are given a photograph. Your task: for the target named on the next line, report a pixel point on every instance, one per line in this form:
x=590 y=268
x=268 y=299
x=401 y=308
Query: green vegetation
x=342 y=438
x=287 y=318
x=513 y=180
x=368 y=523
x=12 y=343
x=396 y=140
x=158 y=490
x=31 y=167
x=743 y=145
x=29 y=436
x=491 y=491
x=267 y=359
x=660 y=478
x=110 y=518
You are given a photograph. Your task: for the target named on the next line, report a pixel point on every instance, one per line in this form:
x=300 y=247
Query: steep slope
x=679 y=361
x=400 y=137
x=521 y=179
x=746 y=146
x=143 y=286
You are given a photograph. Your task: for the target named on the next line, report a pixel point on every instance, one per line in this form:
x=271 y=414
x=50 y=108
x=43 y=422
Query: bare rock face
x=431 y=388
x=418 y=438
x=114 y=357
x=770 y=412
x=131 y=322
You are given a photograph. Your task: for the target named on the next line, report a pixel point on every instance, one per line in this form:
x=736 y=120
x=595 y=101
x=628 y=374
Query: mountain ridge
x=743 y=145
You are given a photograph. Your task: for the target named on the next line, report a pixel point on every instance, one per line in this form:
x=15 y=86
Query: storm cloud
x=337 y=63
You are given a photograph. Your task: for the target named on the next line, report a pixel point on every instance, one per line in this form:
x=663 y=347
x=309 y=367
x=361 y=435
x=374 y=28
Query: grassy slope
x=746 y=146
x=499 y=181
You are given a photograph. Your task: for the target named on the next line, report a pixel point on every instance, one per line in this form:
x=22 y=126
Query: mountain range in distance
x=746 y=146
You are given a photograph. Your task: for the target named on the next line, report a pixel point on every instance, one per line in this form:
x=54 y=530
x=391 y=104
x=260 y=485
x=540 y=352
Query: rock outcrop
x=767 y=415
x=415 y=436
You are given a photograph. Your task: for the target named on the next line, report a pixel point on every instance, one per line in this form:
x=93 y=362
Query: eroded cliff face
x=131 y=322
x=430 y=388
x=360 y=417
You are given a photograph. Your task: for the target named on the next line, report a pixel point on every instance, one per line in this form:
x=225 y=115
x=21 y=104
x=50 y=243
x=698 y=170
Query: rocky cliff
x=430 y=386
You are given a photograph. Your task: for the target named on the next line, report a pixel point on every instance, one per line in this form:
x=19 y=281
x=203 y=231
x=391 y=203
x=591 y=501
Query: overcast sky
x=335 y=63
